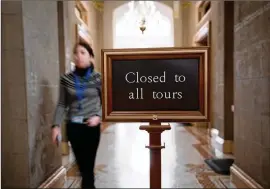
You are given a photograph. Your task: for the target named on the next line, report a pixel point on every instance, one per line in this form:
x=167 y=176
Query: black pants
x=84 y=141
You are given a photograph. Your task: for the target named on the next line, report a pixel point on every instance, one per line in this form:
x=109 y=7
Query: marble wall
x=42 y=69
x=252 y=89
x=30 y=67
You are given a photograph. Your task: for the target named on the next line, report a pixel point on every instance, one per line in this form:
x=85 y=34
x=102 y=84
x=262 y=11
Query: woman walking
x=80 y=101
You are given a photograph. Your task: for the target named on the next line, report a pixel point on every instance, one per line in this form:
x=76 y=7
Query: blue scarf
x=80 y=87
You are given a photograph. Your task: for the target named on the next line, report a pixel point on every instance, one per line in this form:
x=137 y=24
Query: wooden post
x=155 y=129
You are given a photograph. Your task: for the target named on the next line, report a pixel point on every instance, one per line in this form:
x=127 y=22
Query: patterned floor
x=123 y=162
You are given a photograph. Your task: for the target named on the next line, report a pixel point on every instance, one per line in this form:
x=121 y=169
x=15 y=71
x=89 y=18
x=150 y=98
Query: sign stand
x=155 y=129
x=148 y=100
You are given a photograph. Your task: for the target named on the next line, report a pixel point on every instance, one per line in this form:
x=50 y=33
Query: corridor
x=123 y=162
x=214 y=54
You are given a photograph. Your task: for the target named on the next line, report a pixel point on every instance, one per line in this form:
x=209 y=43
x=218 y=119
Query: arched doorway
x=159 y=25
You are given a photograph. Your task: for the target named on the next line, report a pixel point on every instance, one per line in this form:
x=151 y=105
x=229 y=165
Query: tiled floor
x=123 y=161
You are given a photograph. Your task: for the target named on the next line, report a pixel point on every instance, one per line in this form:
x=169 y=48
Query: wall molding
x=242 y=180
x=202 y=32
x=56 y=180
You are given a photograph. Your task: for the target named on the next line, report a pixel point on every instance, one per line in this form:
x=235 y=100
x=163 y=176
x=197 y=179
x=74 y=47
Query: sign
x=168 y=84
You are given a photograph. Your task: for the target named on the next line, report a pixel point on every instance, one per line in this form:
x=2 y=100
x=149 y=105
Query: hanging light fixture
x=143 y=25
x=143 y=15
x=144 y=10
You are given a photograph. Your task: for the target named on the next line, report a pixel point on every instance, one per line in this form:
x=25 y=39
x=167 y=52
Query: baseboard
x=57 y=180
x=224 y=146
x=241 y=180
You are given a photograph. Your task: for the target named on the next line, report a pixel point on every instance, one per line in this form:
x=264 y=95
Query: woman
x=80 y=97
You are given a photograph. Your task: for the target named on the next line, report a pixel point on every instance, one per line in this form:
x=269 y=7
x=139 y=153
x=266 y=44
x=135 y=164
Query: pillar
x=30 y=78
x=222 y=88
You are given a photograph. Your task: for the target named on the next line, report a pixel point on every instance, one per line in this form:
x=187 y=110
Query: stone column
x=178 y=19
x=30 y=78
x=65 y=53
x=222 y=75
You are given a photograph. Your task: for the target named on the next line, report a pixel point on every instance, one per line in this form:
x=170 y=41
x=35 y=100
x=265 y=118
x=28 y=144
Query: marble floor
x=123 y=161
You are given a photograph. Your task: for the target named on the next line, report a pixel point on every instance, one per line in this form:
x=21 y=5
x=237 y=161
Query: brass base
x=57 y=180
x=241 y=180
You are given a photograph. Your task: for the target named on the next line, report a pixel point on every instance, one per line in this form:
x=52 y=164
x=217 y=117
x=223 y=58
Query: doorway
x=158 y=20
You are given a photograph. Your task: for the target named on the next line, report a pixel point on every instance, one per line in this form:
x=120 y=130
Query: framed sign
x=164 y=84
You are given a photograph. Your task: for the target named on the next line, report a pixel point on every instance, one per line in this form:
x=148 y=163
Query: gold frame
x=133 y=116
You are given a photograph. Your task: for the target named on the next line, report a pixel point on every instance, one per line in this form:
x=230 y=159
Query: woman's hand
x=93 y=121
x=55 y=133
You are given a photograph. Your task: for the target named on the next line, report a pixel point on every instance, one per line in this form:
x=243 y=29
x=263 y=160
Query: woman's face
x=81 y=57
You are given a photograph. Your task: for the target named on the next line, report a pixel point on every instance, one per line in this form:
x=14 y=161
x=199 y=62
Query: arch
x=159 y=29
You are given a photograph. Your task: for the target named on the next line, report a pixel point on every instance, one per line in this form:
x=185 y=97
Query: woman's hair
x=87 y=47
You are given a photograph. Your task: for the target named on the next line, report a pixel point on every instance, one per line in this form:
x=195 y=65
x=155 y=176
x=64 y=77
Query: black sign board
x=165 y=84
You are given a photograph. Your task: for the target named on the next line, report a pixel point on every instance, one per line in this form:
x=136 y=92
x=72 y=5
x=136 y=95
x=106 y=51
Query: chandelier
x=145 y=10
x=143 y=25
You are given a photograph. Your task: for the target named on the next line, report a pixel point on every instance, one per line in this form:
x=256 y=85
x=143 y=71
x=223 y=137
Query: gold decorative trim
x=56 y=180
x=98 y=4
x=186 y=4
x=241 y=179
